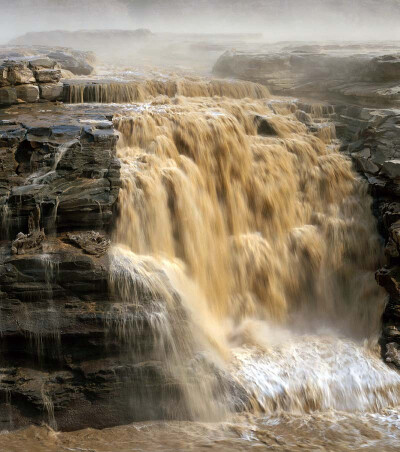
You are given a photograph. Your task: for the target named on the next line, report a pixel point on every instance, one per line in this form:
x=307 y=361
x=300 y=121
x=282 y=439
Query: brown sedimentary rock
x=55 y=179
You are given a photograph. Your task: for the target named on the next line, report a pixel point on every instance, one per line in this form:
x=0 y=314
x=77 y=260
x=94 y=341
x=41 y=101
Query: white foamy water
x=317 y=373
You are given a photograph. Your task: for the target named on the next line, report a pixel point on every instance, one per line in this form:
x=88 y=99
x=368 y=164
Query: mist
x=276 y=19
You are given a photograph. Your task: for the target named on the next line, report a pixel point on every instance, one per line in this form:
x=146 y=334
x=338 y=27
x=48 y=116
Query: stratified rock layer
x=57 y=176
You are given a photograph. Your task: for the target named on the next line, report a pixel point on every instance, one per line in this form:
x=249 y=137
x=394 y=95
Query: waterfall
x=248 y=244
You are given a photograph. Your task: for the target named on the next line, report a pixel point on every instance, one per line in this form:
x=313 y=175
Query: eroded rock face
x=59 y=183
x=69 y=171
x=382 y=137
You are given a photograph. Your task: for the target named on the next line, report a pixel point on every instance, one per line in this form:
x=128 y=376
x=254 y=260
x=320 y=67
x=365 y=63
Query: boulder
x=19 y=73
x=366 y=165
x=27 y=93
x=51 y=91
x=48 y=75
x=8 y=95
x=264 y=126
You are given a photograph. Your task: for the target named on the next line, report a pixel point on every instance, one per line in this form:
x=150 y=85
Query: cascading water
x=249 y=246
x=141 y=90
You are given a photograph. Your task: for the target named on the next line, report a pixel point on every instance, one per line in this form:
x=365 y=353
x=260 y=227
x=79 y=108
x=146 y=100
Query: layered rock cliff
x=59 y=181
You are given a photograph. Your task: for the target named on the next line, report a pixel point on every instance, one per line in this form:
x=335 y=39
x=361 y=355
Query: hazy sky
x=277 y=19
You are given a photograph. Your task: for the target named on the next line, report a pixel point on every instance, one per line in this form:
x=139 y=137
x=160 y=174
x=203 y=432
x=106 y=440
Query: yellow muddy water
x=248 y=243
x=317 y=432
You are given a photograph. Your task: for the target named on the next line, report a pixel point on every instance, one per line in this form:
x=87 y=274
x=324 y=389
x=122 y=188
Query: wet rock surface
x=67 y=169
x=61 y=365
x=59 y=181
x=64 y=358
x=33 y=241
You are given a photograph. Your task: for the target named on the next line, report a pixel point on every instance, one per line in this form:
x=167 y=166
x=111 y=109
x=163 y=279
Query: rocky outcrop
x=90 y=242
x=36 y=76
x=349 y=73
x=68 y=170
x=78 y=62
